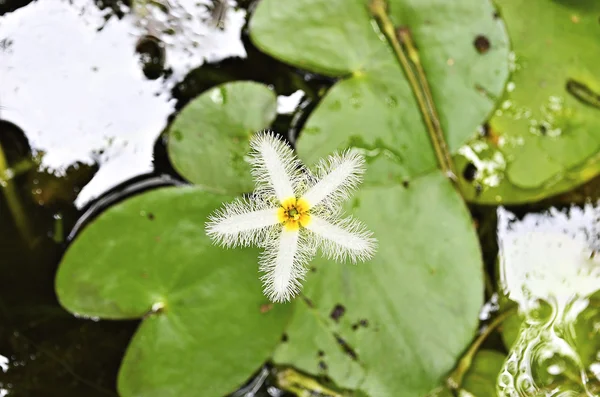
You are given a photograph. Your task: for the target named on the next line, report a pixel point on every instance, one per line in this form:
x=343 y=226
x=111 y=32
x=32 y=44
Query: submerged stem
x=12 y=199
x=418 y=82
x=455 y=379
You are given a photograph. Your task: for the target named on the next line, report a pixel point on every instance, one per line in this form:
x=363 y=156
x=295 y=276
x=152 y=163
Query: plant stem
x=12 y=199
x=403 y=34
x=302 y=385
x=455 y=379
x=418 y=83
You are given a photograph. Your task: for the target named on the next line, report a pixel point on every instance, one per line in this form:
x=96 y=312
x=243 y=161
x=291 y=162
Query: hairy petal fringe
x=335 y=179
x=284 y=264
x=345 y=239
x=275 y=167
x=243 y=222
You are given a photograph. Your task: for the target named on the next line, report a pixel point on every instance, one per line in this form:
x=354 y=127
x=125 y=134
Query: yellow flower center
x=293 y=213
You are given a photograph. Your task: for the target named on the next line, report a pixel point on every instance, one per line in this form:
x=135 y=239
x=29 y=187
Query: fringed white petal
x=284 y=264
x=337 y=177
x=344 y=239
x=242 y=223
x=275 y=167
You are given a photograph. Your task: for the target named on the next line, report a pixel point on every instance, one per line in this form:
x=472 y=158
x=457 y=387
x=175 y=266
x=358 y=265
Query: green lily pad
x=544 y=138
x=204 y=327
x=376 y=326
x=372 y=107
x=209 y=139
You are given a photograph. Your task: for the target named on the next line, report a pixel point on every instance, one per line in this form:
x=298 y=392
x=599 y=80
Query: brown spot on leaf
x=284 y=338
x=482 y=44
x=320 y=353
x=361 y=323
x=337 y=312
x=346 y=347
x=308 y=301
x=266 y=307
x=150 y=216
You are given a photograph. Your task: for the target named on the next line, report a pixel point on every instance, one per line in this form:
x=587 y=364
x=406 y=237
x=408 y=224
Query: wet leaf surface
x=200 y=303
x=544 y=137
x=209 y=139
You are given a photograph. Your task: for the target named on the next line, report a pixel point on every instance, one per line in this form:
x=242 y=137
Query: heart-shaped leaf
x=372 y=107
x=206 y=324
x=209 y=139
x=376 y=326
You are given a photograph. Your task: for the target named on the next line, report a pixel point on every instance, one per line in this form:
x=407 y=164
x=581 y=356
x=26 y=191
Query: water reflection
x=72 y=80
x=192 y=31
x=549 y=267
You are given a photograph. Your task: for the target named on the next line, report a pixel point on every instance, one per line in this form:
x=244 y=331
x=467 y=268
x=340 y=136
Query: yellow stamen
x=294 y=213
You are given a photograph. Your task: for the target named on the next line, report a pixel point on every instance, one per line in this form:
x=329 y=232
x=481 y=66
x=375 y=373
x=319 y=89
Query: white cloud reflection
x=72 y=81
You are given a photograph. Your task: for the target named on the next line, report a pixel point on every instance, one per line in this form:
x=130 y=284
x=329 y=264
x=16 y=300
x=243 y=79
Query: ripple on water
x=549 y=268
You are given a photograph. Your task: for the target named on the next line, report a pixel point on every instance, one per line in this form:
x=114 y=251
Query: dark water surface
x=86 y=88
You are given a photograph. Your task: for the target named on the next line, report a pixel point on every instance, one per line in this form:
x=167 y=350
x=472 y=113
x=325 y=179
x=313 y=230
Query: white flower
x=292 y=213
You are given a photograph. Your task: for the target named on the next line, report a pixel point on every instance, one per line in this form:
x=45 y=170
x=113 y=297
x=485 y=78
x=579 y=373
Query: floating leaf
x=206 y=324
x=376 y=326
x=545 y=136
x=372 y=107
x=209 y=139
